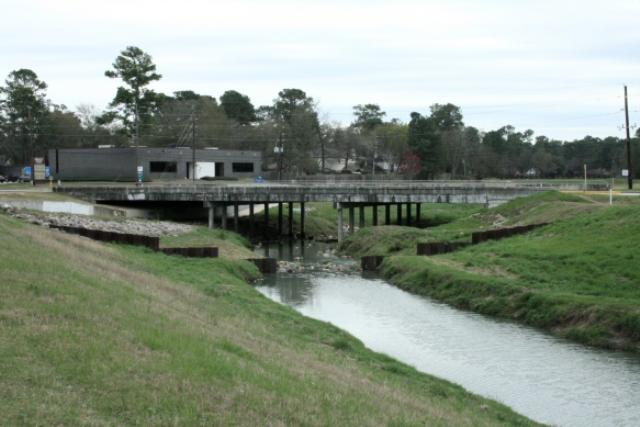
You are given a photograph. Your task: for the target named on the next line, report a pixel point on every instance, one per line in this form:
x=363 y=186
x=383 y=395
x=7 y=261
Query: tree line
x=430 y=145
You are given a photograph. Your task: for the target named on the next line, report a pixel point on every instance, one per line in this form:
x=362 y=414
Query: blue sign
x=259 y=180
x=26 y=171
x=47 y=171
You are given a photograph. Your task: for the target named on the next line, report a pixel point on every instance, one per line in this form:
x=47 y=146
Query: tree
x=134 y=102
x=424 y=140
x=61 y=128
x=446 y=117
x=186 y=95
x=175 y=118
x=348 y=142
x=23 y=105
x=238 y=107
x=296 y=119
x=392 y=137
x=368 y=117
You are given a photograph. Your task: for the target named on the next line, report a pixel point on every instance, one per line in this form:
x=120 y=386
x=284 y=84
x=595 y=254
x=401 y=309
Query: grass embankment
x=398 y=240
x=229 y=244
x=577 y=278
x=105 y=334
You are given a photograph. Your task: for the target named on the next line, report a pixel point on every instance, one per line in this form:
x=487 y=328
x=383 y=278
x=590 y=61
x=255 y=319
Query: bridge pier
x=236 y=214
x=387 y=214
x=399 y=214
x=212 y=215
x=266 y=218
x=340 y=230
x=302 y=222
x=351 y=219
x=409 y=214
x=361 y=216
x=223 y=217
x=290 y=219
x=280 y=219
x=418 y=208
x=375 y=215
x=251 y=219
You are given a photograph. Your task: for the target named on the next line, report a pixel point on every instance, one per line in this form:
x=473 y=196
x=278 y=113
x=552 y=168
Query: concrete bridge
x=218 y=197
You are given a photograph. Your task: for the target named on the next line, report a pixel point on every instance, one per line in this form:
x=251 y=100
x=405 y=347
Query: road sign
x=625 y=172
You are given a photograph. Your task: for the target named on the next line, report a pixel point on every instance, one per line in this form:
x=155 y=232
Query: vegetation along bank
x=577 y=277
x=94 y=333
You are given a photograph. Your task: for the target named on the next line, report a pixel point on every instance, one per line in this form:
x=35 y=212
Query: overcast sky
x=556 y=67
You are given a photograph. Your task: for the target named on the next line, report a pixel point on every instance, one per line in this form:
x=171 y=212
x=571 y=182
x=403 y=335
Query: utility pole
x=193 y=147
x=626 y=116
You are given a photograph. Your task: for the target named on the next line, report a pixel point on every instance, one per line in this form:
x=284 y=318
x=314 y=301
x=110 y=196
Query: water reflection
x=542 y=377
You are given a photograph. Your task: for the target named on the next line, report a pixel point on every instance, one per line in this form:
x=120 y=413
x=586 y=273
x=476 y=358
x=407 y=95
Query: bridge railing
x=368 y=184
x=414 y=184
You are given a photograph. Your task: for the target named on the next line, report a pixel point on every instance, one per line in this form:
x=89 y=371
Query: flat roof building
x=121 y=164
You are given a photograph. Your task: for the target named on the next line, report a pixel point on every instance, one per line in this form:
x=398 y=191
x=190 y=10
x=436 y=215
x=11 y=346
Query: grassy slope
x=230 y=245
x=394 y=240
x=106 y=334
x=577 y=277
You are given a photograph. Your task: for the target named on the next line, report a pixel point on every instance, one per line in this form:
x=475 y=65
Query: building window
x=242 y=167
x=163 y=167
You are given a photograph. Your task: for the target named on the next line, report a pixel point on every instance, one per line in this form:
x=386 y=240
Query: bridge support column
x=266 y=218
x=375 y=215
x=399 y=214
x=280 y=219
x=361 y=216
x=408 y=213
x=387 y=214
x=340 y=230
x=302 y=221
x=223 y=216
x=290 y=219
x=235 y=217
x=351 y=220
x=251 y=219
x=212 y=215
x=418 y=212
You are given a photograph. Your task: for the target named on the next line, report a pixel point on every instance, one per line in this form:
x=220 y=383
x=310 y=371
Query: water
x=545 y=378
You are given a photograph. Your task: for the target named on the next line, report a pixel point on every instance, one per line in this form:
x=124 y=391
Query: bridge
x=219 y=196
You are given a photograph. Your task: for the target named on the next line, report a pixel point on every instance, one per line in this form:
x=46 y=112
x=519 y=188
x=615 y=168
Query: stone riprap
x=147 y=228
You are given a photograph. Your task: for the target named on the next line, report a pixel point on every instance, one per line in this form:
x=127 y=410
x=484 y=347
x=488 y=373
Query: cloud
x=535 y=64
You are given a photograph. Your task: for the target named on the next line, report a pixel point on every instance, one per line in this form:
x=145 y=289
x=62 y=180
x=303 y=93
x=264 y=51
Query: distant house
x=120 y=164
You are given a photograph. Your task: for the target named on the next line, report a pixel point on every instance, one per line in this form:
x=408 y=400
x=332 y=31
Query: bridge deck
x=305 y=191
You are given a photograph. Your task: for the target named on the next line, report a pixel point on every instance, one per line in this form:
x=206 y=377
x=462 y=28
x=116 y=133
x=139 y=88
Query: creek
x=545 y=378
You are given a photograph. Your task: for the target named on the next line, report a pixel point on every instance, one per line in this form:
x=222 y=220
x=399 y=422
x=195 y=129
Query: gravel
x=129 y=226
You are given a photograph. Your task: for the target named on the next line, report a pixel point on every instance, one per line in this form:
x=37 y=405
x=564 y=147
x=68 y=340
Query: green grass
x=231 y=245
x=577 y=278
x=399 y=240
x=101 y=334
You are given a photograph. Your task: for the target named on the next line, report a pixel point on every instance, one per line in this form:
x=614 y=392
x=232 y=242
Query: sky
x=557 y=67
